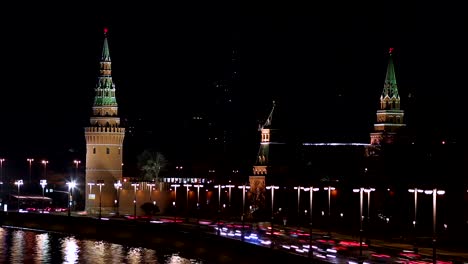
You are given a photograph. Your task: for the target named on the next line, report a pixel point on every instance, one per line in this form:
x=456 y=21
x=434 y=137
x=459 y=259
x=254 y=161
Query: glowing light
x=42 y=248
x=70 y=250
x=390 y=50
x=336 y=144
x=105 y=30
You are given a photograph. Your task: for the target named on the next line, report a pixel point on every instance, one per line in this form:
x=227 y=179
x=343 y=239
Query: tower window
x=107 y=150
x=94 y=150
x=119 y=151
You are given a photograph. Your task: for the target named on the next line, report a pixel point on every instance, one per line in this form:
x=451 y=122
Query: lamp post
x=434 y=193
x=272 y=188
x=329 y=189
x=134 y=199
x=187 y=186
x=43 y=184
x=175 y=200
x=415 y=191
x=311 y=189
x=1 y=172
x=243 y=187
x=91 y=184
x=219 y=206
x=19 y=183
x=229 y=186
x=100 y=183
x=77 y=163
x=198 y=186
x=298 y=188
x=71 y=185
x=368 y=191
x=150 y=185
x=44 y=162
x=29 y=172
x=360 y=191
x=117 y=186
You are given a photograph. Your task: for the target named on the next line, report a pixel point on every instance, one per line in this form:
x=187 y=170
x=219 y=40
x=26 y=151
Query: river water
x=32 y=246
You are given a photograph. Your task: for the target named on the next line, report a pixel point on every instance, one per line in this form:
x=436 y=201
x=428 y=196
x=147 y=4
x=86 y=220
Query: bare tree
x=151 y=163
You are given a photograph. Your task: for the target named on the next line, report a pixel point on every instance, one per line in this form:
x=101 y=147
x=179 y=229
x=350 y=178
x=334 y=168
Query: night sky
x=323 y=65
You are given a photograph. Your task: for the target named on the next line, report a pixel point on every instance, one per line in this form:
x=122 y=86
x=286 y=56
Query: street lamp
x=198 y=186
x=30 y=161
x=91 y=184
x=311 y=190
x=45 y=162
x=329 y=189
x=360 y=191
x=19 y=183
x=117 y=186
x=219 y=205
x=272 y=188
x=43 y=184
x=71 y=185
x=368 y=191
x=243 y=187
x=298 y=188
x=434 y=193
x=150 y=185
x=1 y=172
x=229 y=186
x=187 y=194
x=77 y=163
x=175 y=200
x=198 y=192
x=100 y=183
x=415 y=191
x=134 y=199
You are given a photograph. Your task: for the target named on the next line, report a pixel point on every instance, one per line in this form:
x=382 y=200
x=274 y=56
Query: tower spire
x=389 y=116
x=105 y=48
x=105 y=90
x=390 y=90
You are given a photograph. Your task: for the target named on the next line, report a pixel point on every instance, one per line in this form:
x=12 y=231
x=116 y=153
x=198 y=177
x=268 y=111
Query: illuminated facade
x=262 y=165
x=104 y=140
x=389 y=116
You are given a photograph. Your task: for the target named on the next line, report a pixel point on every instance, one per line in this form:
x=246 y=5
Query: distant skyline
x=324 y=67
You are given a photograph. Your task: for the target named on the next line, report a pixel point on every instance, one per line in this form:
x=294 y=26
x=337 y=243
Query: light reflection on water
x=42 y=252
x=25 y=246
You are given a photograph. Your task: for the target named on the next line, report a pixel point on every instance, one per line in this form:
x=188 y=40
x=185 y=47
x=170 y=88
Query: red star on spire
x=390 y=50
x=105 y=31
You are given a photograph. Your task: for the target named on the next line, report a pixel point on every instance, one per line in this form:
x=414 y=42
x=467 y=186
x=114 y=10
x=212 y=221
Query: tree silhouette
x=151 y=163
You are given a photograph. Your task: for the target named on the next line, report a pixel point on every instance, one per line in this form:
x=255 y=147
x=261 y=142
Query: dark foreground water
x=30 y=246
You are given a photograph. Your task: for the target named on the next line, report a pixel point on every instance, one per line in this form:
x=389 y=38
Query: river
x=35 y=246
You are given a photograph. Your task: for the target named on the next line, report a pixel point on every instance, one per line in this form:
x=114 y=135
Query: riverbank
x=188 y=239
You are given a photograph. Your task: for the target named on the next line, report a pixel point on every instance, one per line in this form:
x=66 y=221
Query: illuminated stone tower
x=389 y=116
x=104 y=140
x=262 y=164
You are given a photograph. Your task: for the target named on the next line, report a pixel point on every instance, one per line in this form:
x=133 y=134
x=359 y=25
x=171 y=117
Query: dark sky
x=324 y=65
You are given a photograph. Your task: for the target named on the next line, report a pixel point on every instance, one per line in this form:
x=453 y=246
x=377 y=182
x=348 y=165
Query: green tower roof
x=390 y=84
x=105 y=90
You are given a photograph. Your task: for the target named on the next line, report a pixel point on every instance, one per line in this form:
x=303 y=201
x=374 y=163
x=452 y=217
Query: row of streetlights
x=361 y=191
x=30 y=161
x=71 y=185
x=434 y=192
